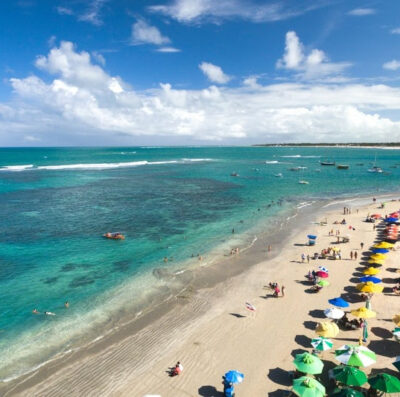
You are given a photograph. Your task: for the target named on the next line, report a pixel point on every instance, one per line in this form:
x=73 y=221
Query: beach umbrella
x=308 y=363
x=385 y=382
x=380 y=250
x=334 y=313
x=376 y=262
x=371 y=271
x=396 y=333
x=376 y=216
x=308 y=387
x=355 y=355
x=396 y=319
x=322 y=274
x=391 y=220
x=346 y=393
x=350 y=376
x=378 y=256
x=374 y=280
x=234 y=376
x=363 y=312
x=383 y=244
x=370 y=288
x=311 y=236
x=323 y=283
x=397 y=363
x=339 y=302
x=327 y=329
x=323 y=269
x=321 y=343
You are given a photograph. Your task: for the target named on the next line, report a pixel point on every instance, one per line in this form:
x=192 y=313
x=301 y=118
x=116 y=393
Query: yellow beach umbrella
x=378 y=256
x=371 y=271
x=363 y=312
x=376 y=261
x=396 y=319
x=327 y=329
x=383 y=244
x=370 y=287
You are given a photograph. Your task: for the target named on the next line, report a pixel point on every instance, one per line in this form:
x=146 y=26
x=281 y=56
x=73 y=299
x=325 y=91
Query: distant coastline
x=365 y=145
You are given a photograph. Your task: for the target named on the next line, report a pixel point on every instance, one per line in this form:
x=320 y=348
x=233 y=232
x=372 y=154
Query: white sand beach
x=212 y=332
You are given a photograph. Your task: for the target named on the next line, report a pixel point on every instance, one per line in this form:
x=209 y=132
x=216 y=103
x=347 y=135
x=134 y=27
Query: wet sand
x=210 y=331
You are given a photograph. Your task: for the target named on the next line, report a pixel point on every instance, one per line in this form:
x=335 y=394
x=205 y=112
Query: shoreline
x=195 y=304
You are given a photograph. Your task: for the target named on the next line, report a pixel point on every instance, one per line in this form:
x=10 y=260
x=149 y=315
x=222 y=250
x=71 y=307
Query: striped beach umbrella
x=355 y=355
x=350 y=376
x=308 y=363
x=334 y=313
x=385 y=382
x=396 y=363
x=322 y=344
x=396 y=333
x=308 y=387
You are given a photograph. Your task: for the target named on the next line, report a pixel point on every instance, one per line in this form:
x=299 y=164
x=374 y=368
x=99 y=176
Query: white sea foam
x=271 y=162
x=296 y=156
x=16 y=167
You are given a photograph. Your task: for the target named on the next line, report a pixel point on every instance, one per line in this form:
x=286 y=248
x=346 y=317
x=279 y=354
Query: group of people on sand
x=277 y=290
x=234 y=251
x=48 y=313
x=176 y=369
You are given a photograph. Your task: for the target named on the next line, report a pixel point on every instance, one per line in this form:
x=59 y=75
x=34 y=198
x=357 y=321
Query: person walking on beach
x=351 y=255
x=308 y=258
x=362 y=245
x=303 y=257
x=355 y=255
x=283 y=291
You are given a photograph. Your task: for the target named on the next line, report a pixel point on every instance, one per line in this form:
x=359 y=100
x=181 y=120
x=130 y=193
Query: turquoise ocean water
x=56 y=203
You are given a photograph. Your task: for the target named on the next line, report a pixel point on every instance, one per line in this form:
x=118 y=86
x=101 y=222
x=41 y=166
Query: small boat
x=376 y=169
x=327 y=163
x=234 y=174
x=304 y=182
x=278 y=175
x=114 y=236
x=342 y=167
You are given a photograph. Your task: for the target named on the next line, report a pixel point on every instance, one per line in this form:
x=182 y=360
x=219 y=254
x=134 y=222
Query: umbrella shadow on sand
x=303 y=340
x=381 y=332
x=279 y=376
x=387 y=348
x=237 y=315
x=210 y=391
x=317 y=313
x=310 y=325
x=279 y=393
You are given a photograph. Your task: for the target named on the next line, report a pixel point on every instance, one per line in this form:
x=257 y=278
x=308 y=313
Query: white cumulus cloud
x=395 y=31
x=143 y=33
x=214 y=73
x=392 y=65
x=168 y=49
x=315 y=64
x=79 y=102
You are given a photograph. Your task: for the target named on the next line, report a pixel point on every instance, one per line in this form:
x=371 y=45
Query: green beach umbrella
x=397 y=363
x=308 y=363
x=323 y=283
x=355 y=355
x=386 y=383
x=321 y=343
x=346 y=393
x=308 y=387
x=350 y=376
x=396 y=333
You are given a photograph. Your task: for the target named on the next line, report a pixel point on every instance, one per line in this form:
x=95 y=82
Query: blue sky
x=119 y=72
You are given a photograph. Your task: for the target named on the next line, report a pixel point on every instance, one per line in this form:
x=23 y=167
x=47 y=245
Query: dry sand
x=219 y=334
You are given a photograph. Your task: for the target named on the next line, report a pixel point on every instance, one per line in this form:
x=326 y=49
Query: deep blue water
x=169 y=202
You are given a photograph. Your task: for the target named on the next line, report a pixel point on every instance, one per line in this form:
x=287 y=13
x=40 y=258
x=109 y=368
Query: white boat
x=278 y=175
x=376 y=169
x=304 y=182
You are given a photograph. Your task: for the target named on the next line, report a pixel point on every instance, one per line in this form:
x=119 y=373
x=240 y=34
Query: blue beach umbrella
x=339 y=302
x=374 y=280
x=234 y=376
x=391 y=220
x=380 y=250
x=311 y=236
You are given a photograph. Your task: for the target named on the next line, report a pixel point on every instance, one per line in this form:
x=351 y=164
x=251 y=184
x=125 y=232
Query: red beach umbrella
x=322 y=274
